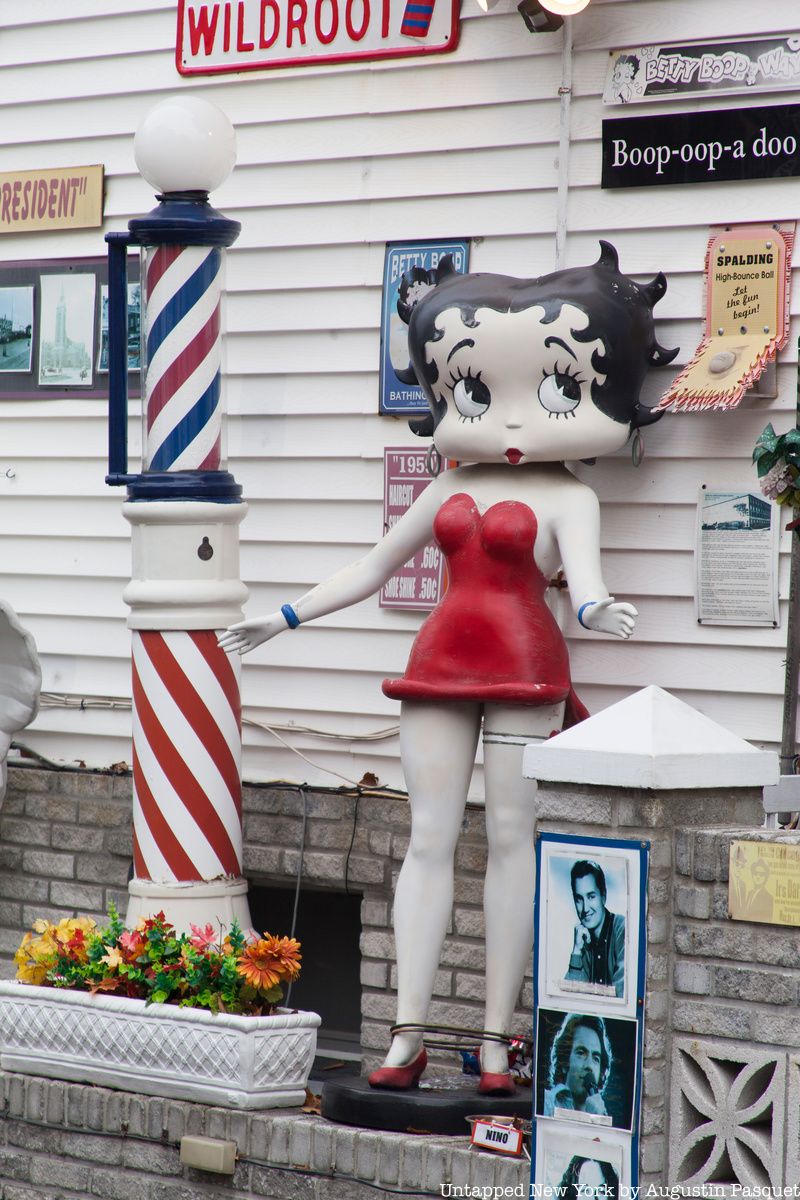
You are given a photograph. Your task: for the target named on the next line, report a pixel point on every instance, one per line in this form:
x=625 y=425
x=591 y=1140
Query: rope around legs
x=451 y=1032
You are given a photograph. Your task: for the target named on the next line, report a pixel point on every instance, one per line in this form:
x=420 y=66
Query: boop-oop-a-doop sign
x=248 y=35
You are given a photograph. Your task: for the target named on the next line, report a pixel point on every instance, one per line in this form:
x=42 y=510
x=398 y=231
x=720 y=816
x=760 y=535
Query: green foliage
x=203 y=969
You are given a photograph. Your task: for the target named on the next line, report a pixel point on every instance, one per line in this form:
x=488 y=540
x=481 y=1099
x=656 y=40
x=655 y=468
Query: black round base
x=440 y=1106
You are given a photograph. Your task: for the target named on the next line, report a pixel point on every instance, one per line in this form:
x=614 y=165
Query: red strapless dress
x=492 y=636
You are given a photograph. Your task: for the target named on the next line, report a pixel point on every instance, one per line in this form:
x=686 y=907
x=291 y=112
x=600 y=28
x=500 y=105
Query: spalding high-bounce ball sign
x=251 y=35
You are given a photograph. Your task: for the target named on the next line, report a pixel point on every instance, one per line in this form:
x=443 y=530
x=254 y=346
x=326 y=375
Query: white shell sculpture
x=20 y=682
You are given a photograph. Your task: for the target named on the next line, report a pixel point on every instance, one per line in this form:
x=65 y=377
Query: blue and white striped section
x=184 y=354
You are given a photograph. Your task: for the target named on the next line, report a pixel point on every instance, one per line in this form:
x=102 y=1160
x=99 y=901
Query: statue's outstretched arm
x=578 y=528
x=349 y=585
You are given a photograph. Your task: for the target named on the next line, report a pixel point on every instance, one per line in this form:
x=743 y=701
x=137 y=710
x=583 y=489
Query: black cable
x=254 y=1162
x=304 y=793
x=350 y=847
x=39 y=759
x=334 y=1175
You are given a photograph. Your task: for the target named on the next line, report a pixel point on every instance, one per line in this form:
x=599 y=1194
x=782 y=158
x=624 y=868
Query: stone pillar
x=640 y=770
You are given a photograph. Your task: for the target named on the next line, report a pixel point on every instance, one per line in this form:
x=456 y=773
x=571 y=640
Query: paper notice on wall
x=736 y=559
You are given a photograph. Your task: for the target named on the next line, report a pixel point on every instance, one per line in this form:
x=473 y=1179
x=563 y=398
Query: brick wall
x=65 y=847
x=67 y=1141
x=733 y=978
x=735 y=1067
x=722 y=995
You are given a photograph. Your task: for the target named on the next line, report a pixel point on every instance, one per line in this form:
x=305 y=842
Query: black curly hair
x=620 y=313
x=568 y=1188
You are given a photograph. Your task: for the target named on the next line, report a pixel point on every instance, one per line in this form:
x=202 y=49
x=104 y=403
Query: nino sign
x=249 y=35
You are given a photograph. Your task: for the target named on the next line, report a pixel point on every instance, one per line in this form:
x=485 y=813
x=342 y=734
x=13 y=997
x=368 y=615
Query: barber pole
x=184 y=353
x=184 y=509
x=186 y=758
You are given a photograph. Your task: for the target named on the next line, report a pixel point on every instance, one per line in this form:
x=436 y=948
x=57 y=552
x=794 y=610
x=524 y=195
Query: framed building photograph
x=54 y=328
x=134 y=328
x=16 y=329
x=589 y=901
x=586 y=1068
x=66 y=347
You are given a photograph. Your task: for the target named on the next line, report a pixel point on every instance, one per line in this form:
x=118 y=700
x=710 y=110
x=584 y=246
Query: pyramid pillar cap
x=651 y=740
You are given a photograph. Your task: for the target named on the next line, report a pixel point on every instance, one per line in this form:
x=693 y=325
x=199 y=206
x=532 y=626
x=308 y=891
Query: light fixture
x=564 y=8
x=537 y=19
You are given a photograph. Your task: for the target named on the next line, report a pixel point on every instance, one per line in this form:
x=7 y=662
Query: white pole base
x=216 y=903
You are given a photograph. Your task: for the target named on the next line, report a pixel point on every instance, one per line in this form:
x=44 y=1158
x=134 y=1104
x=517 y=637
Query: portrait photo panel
x=586 y=1068
x=590 y=906
x=578 y=1166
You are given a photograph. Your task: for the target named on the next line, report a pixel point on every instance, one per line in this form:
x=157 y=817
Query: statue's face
x=518 y=390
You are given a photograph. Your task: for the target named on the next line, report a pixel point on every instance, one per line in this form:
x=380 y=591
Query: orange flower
x=268 y=961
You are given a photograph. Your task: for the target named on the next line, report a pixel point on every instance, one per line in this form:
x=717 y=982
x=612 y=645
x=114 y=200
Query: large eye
x=471 y=396
x=560 y=392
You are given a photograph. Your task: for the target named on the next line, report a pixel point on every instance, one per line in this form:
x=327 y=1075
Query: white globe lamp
x=564 y=8
x=185 y=144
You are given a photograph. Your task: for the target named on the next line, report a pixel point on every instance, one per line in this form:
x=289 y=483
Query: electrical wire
x=378 y=735
x=299 y=753
x=304 y=793
x=334 y=1175
x=254 y=1162
x=64 y=700
x=350 y=847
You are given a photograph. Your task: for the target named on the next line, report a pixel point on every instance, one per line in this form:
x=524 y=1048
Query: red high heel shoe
x=496 y=1083
x=399 y=1079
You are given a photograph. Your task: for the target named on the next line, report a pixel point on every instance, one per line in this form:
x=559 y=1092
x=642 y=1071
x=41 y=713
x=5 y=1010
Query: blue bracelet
x=581 y=611
x=292 y=619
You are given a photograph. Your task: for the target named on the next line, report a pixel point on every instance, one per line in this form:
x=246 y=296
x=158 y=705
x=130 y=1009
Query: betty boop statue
x=520 y=375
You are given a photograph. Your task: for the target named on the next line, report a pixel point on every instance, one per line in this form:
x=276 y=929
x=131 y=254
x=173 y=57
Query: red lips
x=513 y=455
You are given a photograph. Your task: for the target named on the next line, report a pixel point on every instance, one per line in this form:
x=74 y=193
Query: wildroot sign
x=250 y=35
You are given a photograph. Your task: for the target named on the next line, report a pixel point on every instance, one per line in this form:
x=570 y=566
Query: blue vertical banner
x=399 y=393
x=589 y=979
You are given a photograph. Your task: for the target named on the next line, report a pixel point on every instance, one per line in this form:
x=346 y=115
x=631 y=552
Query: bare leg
x=509 y=885
x=437 y=747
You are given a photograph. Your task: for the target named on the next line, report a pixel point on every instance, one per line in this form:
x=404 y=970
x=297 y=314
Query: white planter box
x=158 y=1049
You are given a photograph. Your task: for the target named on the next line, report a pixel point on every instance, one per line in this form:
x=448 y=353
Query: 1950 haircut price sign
x=707 y=147
x=419 y=582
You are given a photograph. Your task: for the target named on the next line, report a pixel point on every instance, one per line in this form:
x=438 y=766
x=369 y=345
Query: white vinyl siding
x=333 y=163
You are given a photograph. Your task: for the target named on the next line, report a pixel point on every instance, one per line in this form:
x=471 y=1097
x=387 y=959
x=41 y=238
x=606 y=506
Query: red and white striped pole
x=184 y=509
x=187 y=822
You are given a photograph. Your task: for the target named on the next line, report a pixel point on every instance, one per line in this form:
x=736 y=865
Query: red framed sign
x=215 y=36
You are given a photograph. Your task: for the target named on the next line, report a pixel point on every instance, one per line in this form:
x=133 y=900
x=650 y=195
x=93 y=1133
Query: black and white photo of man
x=585 y=1068
x=598 y=948
x=580 y=1061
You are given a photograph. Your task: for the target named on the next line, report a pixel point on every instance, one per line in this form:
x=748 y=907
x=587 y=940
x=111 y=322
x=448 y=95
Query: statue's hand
x=606 y=616
x=247 y=635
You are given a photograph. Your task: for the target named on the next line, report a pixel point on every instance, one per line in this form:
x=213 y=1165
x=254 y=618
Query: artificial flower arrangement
x=777 y=459
x=202 y=969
